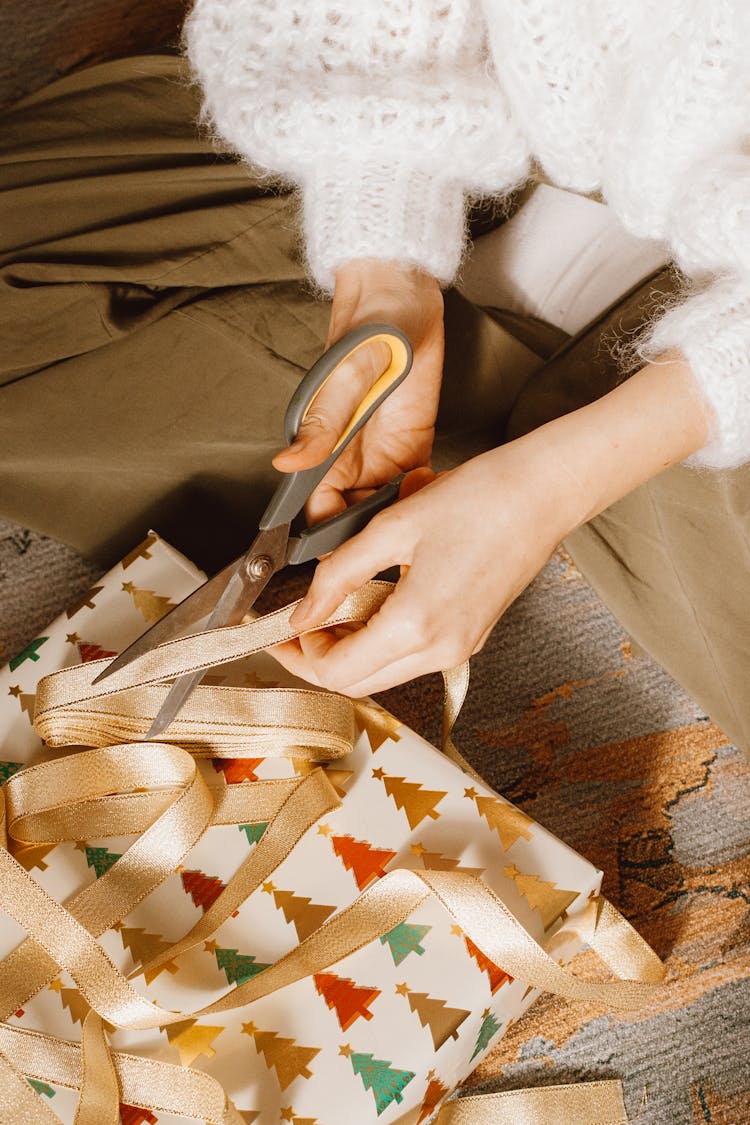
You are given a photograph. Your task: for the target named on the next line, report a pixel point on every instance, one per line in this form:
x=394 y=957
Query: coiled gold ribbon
x=154 y=791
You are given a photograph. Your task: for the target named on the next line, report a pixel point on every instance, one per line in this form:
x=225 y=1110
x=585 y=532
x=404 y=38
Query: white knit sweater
x=386 y=113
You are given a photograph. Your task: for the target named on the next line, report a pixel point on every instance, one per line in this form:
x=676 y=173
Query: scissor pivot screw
x=260 y=567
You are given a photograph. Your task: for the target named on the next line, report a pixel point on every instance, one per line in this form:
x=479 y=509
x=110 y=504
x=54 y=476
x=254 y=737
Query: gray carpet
x=602 y=747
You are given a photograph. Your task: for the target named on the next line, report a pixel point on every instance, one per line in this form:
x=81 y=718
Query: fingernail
x=300 y=614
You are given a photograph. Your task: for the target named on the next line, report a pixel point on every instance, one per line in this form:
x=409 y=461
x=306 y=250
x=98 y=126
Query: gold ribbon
x=173 y=813
x=584 y=1103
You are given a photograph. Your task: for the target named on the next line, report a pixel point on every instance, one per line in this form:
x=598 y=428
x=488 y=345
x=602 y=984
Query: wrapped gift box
x=384 y=1034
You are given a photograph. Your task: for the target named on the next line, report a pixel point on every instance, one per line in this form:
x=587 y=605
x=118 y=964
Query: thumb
x=333 y=406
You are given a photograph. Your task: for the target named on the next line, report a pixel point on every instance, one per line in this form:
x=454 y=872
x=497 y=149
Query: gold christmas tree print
x=306 y=915
x=441 y=1021
x=347 y=999
x=365 y=862
x=434 y=1094
x=434 y=861
x=86 y=602
x=545 y=897
x=289 y=1115
x=26 y=700
x=151 y=606
x=33 y=855
x=411 y=798
x=289 y=1060
x=142 y=551
x=339 y=779
x=509 y=822
x=71 y=1000
x=378 y=725
x=144 y=947
x=192 y=1040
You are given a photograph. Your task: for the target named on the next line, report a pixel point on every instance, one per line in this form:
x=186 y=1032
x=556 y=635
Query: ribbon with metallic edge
x=132 y=789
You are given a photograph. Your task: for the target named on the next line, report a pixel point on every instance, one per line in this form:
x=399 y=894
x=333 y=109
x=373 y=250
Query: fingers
x=402 y=640
x=334 y=406
x=376 y=548
x=327 y=500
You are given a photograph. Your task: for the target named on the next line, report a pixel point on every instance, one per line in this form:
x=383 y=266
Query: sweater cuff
x=712 y=331
x=384 y=212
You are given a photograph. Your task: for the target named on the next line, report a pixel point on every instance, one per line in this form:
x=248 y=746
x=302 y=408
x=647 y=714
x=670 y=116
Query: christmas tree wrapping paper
x=383 y=1034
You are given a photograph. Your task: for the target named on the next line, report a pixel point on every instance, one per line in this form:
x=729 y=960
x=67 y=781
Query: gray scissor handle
x=327 y=536
x=295 y=488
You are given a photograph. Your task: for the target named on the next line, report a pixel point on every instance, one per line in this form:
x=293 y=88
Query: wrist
x=599 y=453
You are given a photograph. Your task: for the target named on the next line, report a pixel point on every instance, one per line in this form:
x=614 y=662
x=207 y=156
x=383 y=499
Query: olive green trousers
x=155 y=318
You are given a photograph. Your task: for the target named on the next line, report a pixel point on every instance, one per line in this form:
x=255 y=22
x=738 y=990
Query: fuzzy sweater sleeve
x=384 y=115
x=709 y=232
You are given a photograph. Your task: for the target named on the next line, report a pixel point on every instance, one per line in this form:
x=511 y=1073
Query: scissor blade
x=236 y=601
x=191 y=611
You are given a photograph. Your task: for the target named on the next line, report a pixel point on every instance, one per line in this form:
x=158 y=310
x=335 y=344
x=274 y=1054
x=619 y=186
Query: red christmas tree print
x=131 y=1115
x=237 y=770
x=365 y=862
x=90 y=651
x=498 y=977
x=203 y=889
x=345 y=998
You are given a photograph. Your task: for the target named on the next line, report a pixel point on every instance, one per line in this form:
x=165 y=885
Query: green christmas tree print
x=489 y=1028
x=385 y=1082
x=29 y=653
x=238 y=967
x=253 y=831
x=41 y=1087
x=7 y=769
x=100 y=859
x=404 y=939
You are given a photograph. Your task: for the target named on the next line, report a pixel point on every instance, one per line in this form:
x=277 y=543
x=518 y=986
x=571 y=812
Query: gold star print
x=430 y=1075
x=287 y=1114
x=55 y=985
x=128 y=587
x=402 y=989
x=72 y=639
x=457 y=931
x=81 y=846
x=346 y=1051
x=378 y=773
x=417 y=850
x=210 y=946
x=485 y=1013
x=324 y=830
x=470 y=793
x=249 y=1029
x=15 y=691
x=268 y=888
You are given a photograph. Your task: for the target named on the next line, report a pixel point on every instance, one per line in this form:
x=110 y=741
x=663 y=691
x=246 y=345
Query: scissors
x=227 y=598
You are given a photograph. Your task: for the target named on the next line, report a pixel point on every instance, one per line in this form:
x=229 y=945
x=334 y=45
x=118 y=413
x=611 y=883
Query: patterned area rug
x=597 y=743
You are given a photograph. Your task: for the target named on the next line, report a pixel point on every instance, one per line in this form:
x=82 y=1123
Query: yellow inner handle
x=399 y=359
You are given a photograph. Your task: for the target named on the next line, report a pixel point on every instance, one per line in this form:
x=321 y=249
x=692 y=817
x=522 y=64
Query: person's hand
x=467 y=544
x=470 y=541
x=399 y=436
